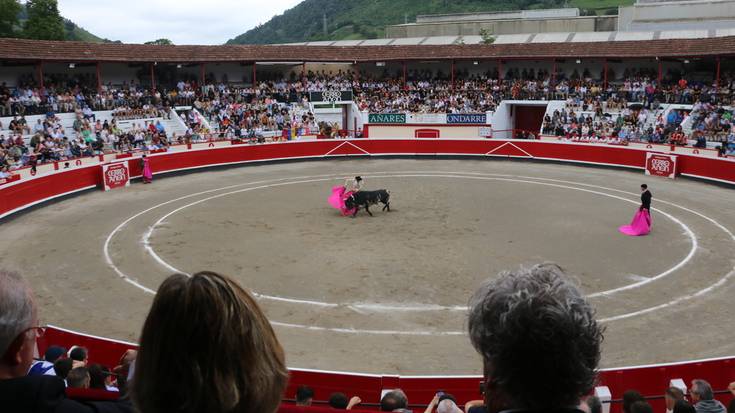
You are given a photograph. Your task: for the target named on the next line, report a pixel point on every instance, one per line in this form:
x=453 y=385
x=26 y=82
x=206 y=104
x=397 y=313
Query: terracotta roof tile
x=20 y=49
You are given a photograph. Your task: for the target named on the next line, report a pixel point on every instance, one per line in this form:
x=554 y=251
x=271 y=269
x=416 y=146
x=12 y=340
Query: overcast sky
x=182 y=21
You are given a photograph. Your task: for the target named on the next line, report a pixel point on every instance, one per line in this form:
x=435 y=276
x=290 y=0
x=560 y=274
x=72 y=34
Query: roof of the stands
x=542 y=45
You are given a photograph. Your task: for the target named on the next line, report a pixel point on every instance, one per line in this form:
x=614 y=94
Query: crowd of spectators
x=276 y=109
x=206 y=346
x=51 y=142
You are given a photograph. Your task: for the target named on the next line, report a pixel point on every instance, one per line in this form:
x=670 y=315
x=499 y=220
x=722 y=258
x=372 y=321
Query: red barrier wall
x=649 y=380
x=26 y=192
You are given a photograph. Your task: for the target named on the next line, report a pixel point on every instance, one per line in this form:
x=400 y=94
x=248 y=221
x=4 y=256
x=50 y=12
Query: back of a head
x=593 y=402
x=675 y=393
x=702 y=390
x=393 y=400
x=17 y=312
x=683 y=406
x=304 y=395
x=532 y=327
x=447 y=406
x=641 y=406
x=62 y=367
x=78 y=353
x=53 y=353
x=207 y=346
x=78 y=378
x=338 y=401
x=630 y=397
x=97 y=376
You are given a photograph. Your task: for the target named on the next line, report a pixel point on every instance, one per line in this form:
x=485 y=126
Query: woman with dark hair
x=206 y=346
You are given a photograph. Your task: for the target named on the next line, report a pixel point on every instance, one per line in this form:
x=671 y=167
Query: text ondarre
x=467 y=118
x=387 y=118
x=449 y=119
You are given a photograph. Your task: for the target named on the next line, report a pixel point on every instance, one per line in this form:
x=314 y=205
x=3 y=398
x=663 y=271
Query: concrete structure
x=530 y=21
x=677 y=15
x=501 y=15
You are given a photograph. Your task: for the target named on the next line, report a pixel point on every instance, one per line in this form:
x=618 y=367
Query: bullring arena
x=401 y=279
x=495 y=157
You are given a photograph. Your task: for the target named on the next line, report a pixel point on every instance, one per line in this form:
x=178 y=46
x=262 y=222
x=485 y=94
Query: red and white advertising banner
x=659 y=164
x=115 y=175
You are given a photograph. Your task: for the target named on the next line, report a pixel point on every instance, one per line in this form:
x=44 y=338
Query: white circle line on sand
x=376 y=332
x=108 y=240
x=673 y=302
x=422 y=307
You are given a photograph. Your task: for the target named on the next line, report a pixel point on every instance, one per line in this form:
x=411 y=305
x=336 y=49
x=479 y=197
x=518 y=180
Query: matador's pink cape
x=641 y=224
x=147 y=173
x=337 y=200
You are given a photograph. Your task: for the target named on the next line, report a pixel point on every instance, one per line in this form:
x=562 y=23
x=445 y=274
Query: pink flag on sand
x=337 y=199
x=641 y=224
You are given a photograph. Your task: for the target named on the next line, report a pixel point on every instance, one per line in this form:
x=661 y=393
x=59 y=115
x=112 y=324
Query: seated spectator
x=394 y=400
x=100 y=378
x=592 y=404
x=641 y=407
x=534 y=326
x=78 y=355
x=78 y=378
x=683 y=406
x=630 y=397
x=447 y=406
x=304 y=395
x=703 y=398
x=672 y=395
x=443 y=403
x=731 y=406
x=338 y=401
x=62 y=367
x=18 y=334
x=46 y=366
x=206 y=346
x=122 y=370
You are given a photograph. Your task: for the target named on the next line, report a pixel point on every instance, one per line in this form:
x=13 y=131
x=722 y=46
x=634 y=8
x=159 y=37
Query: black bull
x=366 y=198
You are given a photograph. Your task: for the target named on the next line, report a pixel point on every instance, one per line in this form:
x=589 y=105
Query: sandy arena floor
x=388 y=294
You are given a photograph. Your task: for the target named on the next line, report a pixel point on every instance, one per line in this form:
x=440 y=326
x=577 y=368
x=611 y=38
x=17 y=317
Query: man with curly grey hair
x=538 y=338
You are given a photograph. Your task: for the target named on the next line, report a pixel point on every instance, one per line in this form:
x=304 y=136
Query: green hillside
x=71 y=30
x=360 y=19
x=74 y=32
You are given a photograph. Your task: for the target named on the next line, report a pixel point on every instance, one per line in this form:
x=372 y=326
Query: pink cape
x=337 y=200
x=147 y=173
x=641 y=224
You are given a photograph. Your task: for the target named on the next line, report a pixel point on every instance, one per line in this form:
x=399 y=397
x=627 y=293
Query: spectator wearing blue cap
x=46 y=366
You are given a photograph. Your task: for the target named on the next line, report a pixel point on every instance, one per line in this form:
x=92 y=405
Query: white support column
x=603 y=393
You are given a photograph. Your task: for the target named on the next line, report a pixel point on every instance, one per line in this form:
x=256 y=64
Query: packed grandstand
x=70 y=106
x=663 y=100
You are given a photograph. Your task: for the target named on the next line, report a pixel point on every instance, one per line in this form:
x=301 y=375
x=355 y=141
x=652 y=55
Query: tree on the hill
x=161 y=42
x=9 y=10
x=44 y=21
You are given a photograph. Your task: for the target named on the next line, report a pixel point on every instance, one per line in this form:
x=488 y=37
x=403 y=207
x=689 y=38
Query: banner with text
x=331 y=96
x=387 y=118
x=467 y=118
x=115 y=175
x=430 y=118
x=661 y=165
